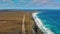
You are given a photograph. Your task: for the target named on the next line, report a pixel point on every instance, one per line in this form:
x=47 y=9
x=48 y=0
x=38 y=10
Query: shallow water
x=51 y=20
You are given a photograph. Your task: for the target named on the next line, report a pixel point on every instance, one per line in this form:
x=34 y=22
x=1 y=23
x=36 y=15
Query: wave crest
x=40 y=24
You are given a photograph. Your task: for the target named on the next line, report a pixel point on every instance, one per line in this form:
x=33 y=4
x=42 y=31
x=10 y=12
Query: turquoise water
x=51 y=20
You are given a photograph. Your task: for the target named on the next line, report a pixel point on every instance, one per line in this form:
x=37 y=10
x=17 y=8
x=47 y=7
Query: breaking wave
x=40 y=24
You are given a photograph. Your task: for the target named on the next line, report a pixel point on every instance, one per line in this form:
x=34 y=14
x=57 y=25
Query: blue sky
x=29 y=4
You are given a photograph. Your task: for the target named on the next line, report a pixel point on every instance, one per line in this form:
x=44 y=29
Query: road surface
x=23 y=25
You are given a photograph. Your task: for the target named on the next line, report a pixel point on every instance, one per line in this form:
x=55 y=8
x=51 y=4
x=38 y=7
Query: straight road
x=23 y=25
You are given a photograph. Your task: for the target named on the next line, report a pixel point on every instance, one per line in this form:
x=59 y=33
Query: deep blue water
x=51 y=20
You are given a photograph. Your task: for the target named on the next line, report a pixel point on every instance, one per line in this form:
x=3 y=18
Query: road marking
x=23 y=25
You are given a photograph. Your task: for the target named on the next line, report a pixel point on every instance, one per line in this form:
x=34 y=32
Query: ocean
x=50 y=20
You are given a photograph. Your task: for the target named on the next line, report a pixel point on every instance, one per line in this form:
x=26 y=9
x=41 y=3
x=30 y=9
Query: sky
x=29 y=4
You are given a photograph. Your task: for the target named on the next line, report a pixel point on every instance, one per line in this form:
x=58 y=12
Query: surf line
x=40 y=24
x=23 y=25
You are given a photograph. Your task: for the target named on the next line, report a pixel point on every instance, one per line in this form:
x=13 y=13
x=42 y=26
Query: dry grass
x=28 y=24
x=11 y=22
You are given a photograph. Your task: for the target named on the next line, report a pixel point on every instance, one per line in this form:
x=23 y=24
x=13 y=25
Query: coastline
x=16 y=17
x=40 y=24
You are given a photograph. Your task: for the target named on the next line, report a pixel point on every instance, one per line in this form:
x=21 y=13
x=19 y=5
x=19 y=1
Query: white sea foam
x=40 y=24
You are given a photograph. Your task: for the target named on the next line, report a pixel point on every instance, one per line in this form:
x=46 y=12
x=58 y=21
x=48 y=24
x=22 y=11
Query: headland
x=17 y=22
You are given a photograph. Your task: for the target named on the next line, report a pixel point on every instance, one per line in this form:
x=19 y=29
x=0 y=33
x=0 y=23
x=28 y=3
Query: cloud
x=10 y=1
x=30 y=4
x=44 y=3
x=39 y=1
